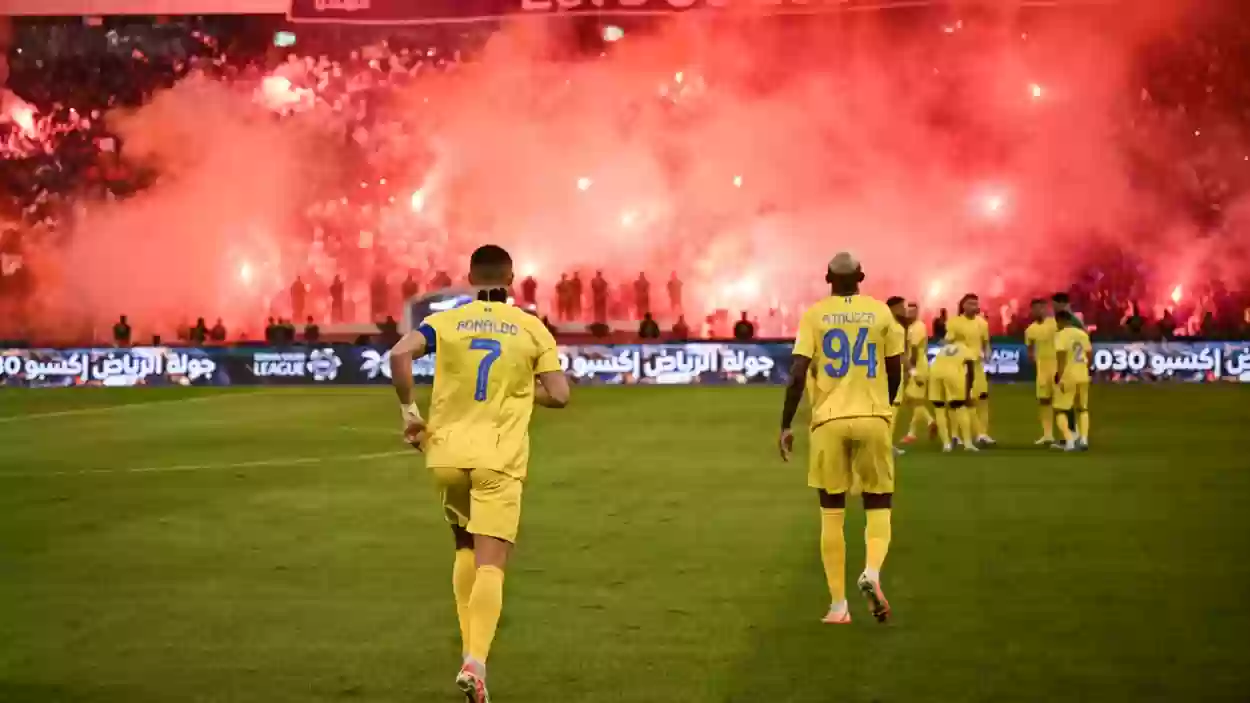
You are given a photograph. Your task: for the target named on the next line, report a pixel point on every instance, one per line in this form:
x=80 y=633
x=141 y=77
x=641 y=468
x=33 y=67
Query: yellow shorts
x=917 y=388
x=852 y=448
x=946 y=388
x=482 y=501
x=1072 y=396
x=1045 y=382
x=980 y=382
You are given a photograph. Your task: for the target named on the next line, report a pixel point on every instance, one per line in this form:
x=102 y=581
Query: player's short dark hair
x=966 y=298
x=1037 y=301
x=1065 y=317
x=490 y=256
x=1061 y=298
x=894 y=300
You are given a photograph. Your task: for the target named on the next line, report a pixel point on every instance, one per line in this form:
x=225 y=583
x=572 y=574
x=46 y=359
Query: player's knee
x=464 y=540
x=832 y=501
x=878 y=501
x=491 y=551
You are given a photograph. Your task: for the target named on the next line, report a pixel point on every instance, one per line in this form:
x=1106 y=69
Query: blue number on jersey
x=838 y=348
x=493 y=350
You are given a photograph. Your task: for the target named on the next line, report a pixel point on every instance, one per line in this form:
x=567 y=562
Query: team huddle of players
x=858 y=360
x=956 y=385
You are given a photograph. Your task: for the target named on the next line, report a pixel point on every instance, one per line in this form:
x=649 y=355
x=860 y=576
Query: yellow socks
x=485 y=605
x=1082 y=421
x=983 y=417
x=833 y=551
x=463 y=574
x=964 y=421
x=877 y=540
x=920 y=420
x=1047 y=415
x=944 y=425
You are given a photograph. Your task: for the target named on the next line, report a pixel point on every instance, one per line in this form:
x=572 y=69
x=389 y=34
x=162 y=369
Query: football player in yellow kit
x=971 y=330
x=898 y=309
x=493 y=363
x=1040 y=339
x=950 y=380
x=850 y=352
x=916 y=361
x=1073 y=353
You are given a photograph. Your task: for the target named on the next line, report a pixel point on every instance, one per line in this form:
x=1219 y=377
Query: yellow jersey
x=1074 y=341
x=485 y=358
x=1041 y=336
x=848 y=339
x=973 y=334
x=918 y=348
x=951 y=359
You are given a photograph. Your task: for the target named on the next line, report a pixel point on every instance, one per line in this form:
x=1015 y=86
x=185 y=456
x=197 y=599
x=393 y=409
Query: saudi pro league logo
x=324 y=364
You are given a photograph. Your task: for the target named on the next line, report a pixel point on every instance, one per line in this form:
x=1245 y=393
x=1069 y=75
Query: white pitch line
x=102 y=409
x=289 y=461
x=370 y=430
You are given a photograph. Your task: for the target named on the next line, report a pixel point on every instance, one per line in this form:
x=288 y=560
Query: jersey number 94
x=842 y=354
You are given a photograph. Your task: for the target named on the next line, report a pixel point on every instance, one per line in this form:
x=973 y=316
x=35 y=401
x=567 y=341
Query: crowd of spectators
x=56 y=150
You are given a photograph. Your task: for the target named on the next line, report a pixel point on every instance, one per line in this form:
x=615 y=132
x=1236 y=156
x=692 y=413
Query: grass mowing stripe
x=287 y=461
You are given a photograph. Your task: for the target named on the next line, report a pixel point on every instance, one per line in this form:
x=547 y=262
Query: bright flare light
x=23 y=116
x=1035 y=90
x=1177 y=294
x=418 y=201
x=612 y=33
x=583 y=183
x=935 y=290
x=245 y=272
x=737 y=181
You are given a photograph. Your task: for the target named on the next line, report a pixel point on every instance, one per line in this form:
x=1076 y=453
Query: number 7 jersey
x=485 y=358
x=848 y=339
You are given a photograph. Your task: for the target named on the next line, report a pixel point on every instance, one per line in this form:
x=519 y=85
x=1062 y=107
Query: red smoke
x=972 y=152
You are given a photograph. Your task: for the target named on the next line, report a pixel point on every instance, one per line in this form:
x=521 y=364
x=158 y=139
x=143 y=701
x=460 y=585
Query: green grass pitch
x=187 y=546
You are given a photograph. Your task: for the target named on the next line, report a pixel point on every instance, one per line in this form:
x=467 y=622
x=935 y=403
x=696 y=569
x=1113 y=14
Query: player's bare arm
x=794 y=395
x=893 y=374
x=551 y=389
x=411 y=346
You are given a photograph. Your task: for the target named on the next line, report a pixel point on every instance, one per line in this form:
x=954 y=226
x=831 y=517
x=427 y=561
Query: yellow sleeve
x=894 y=342
x=548 y=358
x=1061 y=344
x=951 y=325
x=805 y=341
x=915 y=336
x=984 y=327
x=1030 y=335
